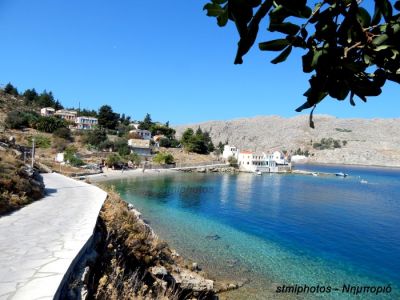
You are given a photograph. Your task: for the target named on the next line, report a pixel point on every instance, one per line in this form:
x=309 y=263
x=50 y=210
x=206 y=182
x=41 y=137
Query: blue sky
x=162 y=57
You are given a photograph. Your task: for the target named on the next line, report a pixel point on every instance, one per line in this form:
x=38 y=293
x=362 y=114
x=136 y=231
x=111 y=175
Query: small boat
x=314 y=174
x=258 y=173
x=363 y=181
x=341 y=174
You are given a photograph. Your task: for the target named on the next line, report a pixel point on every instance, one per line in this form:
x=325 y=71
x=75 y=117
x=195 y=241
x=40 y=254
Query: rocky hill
x=361 y=141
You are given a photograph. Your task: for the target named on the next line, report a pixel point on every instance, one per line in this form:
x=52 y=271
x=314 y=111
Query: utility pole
x=33 y=152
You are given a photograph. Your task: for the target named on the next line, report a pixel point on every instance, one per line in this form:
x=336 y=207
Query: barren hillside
x=366 y=141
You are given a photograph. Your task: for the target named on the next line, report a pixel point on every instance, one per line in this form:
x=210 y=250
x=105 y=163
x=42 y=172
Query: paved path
x=39 y=242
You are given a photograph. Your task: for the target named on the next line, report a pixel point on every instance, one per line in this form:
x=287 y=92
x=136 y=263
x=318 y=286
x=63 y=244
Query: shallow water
x=281 y=229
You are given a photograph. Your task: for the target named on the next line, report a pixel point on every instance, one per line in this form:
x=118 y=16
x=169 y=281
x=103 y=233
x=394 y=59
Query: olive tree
x=351 y=46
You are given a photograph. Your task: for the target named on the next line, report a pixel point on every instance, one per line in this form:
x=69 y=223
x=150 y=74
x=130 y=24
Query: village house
x=47 y=111
x=141 y=134
x=68 y=115
x=140 y=146
x=86 y=122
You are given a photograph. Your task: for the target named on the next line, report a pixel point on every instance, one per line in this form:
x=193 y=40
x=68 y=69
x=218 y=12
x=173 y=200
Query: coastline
x=118 y=174
x=314 y=163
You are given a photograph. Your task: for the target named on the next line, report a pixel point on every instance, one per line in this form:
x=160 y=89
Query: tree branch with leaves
x=349 y=51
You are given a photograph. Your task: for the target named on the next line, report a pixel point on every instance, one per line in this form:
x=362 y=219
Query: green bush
x=199 y=142
x=113 y=160
x=233 y=162
x=95 y=137
x=134 y=158
x=40 y=141
x=64 y=133
x=71 y=157
x=19 y=120
x=50 y=124
x=328 y=143
x=163 y=158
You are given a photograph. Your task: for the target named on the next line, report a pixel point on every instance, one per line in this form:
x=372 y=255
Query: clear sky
x=162 y=57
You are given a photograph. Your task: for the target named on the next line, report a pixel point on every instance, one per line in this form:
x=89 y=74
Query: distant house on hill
x=86 y=122
x=68 y=115
x=47 y=111
x=141 y=134
x=140 y=146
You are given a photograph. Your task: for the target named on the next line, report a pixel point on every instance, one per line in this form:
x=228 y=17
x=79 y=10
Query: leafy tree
x=146 y=123
x=70 y=155
x=95 y=137
x=164 y=158
x=30 y=96
x=220 y=147
x=46 y=99
x=157 y=129
x=168 y=143
x=232 y=161
x=187 y=136
x=199 y=142
x=50 y=124
x=64 y=133
x=10 y=89
x=107 y=118
x=57 y=105
x=134 y=158
x=16 y=120
x=113 y=160
x=351 y=48
x=40 y=141
x=121 y=146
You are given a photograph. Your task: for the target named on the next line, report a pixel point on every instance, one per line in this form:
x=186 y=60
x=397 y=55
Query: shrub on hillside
x=16 y=120
x=163 y=158
x=50 y=124
x=64 y=133
x=10 y=89
x=19 y=119
x=134 y=158
x=199 y=142
x=114 y=160
x=70 y=155
x=168 y=143
x=95 y=137
x=40 y=141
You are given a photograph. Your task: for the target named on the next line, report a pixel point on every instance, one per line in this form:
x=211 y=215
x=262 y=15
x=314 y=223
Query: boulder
x=159 y=271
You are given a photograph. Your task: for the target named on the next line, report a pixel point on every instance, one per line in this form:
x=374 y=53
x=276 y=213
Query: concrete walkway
x=39 y=242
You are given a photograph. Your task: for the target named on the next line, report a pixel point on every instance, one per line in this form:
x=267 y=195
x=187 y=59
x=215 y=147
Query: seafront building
x=249 y=161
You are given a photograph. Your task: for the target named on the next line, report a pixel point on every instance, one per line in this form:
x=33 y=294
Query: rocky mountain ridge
x=362 y=141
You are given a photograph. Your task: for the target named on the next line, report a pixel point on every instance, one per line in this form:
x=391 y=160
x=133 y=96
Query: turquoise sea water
x=281 y=229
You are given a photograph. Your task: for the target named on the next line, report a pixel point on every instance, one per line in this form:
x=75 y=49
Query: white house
x=141 y=134
x=68 y=115
x=140 y=146
x=279 y=158
x=86 y=122
x=47 y=111
x=249 y=161
x=230 y=151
